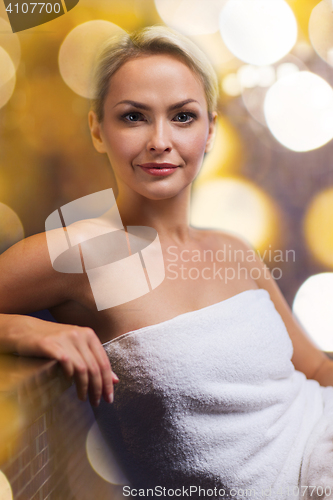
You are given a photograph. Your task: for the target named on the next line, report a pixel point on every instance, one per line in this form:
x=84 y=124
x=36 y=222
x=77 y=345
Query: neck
x=170 y=217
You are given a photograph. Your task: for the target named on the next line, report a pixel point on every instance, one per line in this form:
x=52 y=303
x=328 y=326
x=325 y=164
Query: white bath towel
x=211 y=399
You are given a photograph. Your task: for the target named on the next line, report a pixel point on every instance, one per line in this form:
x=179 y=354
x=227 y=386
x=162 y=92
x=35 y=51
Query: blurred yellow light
x=5 y=488
x=10 y=42
x=313 y=308
x=11 y=228
x=318 y=227
x=7 y=77
x=191 y=17
x=236 y=205
x=101 y=458
x=78 y=51
x=231 y=85
x=258 y=32
x=299 y=111
x=321 y=30
x=226 y=155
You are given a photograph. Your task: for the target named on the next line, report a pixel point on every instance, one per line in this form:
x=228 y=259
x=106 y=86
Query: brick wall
x=43 y=430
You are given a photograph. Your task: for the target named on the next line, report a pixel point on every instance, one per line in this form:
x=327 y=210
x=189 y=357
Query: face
x=156 y=128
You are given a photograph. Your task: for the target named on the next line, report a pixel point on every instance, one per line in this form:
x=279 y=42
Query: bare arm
x=28 y=283
x=307 y=358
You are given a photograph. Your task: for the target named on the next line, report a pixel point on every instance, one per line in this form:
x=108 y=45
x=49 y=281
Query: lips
x=160 y=169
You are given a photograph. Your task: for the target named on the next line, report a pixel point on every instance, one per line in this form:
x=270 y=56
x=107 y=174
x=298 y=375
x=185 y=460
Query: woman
x=208 y=395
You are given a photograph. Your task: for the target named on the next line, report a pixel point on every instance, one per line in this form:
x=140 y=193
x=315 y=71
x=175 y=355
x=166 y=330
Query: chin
x=163 y=192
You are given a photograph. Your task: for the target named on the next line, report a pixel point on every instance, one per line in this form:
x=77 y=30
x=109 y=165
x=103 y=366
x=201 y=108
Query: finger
x=50 y=348
x=94 y=373
x=79 y=370
x=108 y=376
x=74 y=366
x=67 y=367
x=81 y=379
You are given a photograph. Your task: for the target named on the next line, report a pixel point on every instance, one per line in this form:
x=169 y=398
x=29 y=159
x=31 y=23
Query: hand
x=77 y=349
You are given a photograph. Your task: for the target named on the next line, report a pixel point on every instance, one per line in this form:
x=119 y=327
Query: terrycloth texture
x=211 y=398
x=317 y=467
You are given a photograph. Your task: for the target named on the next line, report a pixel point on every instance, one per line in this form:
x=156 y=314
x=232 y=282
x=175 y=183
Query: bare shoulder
x=306 y=357
x=224 y=239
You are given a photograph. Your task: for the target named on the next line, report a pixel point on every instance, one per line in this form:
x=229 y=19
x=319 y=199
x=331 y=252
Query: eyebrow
x=140 y=105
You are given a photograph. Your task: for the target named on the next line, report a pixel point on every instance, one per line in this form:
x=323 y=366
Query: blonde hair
x=152 y=40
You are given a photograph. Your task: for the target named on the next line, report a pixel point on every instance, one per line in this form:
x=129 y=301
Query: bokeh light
x=11 y=228
x=321 y=30
x=299 y=111
x=304 y=51
x=190 y=17
x=101 y=457
x=318 y=227
x=226 y=155
x=253 y=82
x=313 y=309
x=10 y=42
x=231 y=85
x=214 y=48
x=258 y=32
x=7 y=77
x=5 y=488
x=236 y=205
x=78 y=51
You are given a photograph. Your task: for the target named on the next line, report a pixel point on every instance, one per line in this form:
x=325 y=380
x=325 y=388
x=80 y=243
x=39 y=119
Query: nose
x=159 y=140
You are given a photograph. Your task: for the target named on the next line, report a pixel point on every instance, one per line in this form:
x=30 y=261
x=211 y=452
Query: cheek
x=194 y=145
x=123 y=147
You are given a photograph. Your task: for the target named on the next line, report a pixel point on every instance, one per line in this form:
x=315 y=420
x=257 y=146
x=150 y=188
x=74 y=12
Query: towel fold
x=211 y=399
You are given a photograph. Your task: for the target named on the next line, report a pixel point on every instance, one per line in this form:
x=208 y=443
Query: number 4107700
x=49 y=7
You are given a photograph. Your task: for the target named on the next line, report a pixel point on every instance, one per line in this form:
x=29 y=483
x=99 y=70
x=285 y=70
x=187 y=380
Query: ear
x=211 y=132
x=96 y=132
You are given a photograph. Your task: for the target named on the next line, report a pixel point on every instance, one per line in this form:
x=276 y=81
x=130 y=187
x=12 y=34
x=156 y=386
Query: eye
x=184 y=117
x=133 y=117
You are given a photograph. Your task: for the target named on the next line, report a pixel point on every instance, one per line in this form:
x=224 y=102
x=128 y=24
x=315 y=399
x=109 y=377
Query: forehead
x=159 y=77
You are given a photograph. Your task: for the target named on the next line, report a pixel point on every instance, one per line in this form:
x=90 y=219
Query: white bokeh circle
x=6 y=492
x=253 y=96
x=258 y=32
x=313 y=308
x=299 y=111
x=321 y=30
x=190 y=17
x=7 y=77
x=101 y=457
x=10 y=42
x=78 y=52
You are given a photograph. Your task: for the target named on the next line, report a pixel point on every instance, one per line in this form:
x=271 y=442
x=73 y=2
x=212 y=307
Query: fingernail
x=110 y=397
x=97 y=402
x=116 y=377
